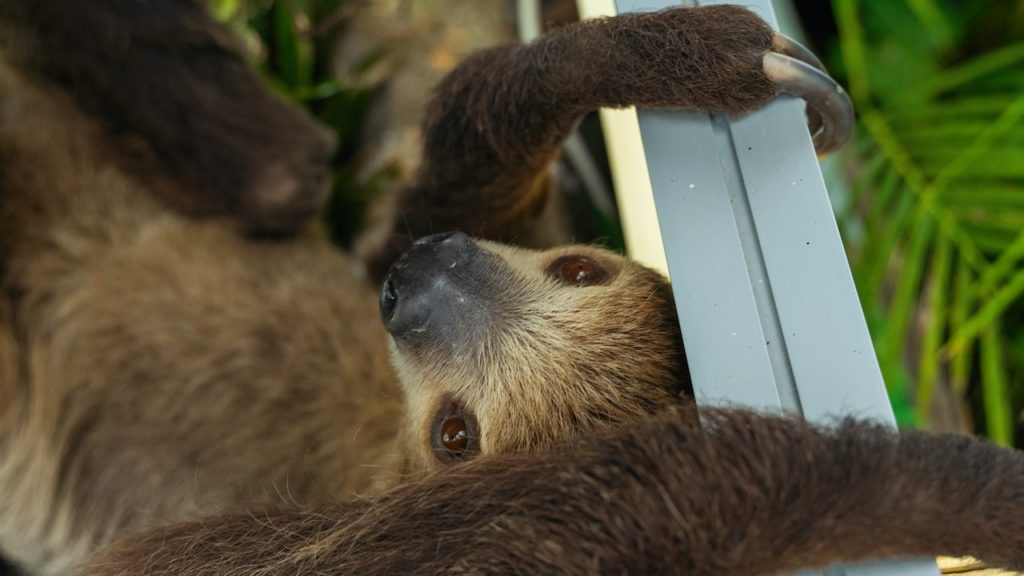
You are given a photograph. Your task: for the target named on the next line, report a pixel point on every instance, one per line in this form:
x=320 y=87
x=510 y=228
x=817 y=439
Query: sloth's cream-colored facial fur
x=476 y=325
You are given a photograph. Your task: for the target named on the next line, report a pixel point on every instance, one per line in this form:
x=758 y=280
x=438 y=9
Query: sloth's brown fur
x=167 y=367
x=158 y=367
x=747 y=495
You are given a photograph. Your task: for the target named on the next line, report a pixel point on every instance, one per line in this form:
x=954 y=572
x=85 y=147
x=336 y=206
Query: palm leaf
x=938 y=187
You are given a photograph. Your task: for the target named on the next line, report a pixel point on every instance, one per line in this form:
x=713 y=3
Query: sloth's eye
x=455 y=435
x=577 y=270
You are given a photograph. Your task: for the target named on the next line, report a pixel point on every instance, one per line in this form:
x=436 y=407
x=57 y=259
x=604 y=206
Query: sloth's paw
x=289 y=180
x=733 y=61
x=280 y=157
x=243 y=153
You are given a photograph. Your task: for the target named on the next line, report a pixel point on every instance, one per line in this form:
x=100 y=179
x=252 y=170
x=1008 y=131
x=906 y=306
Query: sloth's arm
x=750 y=495
x=196 y=120
x=498 y=120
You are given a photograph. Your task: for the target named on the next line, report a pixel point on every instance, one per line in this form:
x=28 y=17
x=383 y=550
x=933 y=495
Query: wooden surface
x=968 y=566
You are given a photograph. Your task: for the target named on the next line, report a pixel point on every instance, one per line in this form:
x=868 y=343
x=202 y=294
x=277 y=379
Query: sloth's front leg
x=744 y=494
x=497 y=120
x=196 y=121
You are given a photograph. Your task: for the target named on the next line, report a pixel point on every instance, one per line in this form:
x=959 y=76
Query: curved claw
x=785 y=45
x=825 y=98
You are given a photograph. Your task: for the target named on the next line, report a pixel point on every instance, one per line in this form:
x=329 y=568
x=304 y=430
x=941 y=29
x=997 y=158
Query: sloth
x=181 y=342
x=738 y=494
x=178 y=340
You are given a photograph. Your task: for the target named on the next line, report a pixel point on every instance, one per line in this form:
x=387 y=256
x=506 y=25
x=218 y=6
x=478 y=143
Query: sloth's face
x=504 y=350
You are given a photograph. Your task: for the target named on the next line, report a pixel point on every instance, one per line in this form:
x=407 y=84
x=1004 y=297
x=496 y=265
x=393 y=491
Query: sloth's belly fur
x=156 y=368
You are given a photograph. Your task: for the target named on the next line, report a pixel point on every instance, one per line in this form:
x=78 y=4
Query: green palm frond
x=937 y=189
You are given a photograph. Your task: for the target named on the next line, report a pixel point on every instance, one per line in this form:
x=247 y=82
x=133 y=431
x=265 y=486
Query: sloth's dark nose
x=433 y=288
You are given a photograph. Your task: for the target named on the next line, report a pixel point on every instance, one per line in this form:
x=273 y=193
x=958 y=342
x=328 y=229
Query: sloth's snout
x=433 y=289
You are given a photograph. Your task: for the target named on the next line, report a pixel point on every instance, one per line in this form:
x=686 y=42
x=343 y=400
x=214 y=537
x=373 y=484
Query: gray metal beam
x=767 y=304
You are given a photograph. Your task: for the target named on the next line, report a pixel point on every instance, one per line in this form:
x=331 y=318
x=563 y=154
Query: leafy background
x=934 y=221
x=933 y=209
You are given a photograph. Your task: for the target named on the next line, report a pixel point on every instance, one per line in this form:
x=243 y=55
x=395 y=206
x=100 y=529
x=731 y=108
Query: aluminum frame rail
x=767 y=303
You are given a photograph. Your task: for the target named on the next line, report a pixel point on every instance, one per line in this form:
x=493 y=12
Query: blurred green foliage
x=935 y=218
